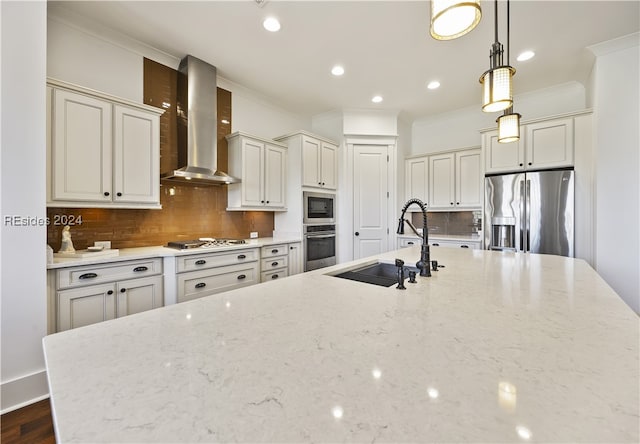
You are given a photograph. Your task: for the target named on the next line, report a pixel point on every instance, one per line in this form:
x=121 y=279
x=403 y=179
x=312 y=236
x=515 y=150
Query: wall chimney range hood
x=197 y=126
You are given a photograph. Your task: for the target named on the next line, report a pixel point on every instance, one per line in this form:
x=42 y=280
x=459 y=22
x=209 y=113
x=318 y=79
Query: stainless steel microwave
x=319 y=208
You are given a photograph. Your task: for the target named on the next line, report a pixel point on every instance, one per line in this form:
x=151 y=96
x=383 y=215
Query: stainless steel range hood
x=197 y=126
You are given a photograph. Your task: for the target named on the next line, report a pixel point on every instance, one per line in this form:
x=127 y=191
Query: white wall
x=461 y=128
x=23 y=287
x=617 y=167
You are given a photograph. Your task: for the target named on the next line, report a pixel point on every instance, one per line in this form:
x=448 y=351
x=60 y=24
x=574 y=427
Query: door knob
x=357 y=233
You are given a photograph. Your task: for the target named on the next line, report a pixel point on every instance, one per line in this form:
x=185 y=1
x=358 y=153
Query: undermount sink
x=379 y=273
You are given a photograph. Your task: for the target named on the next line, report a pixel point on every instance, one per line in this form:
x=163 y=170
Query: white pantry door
x=370 y=200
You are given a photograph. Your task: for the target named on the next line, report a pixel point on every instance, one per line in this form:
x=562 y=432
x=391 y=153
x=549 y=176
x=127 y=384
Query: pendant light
x=497 y=88
x=509 y=122
x=451 y=19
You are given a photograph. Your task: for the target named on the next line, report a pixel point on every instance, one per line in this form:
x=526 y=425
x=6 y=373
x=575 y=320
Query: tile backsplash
x=457 y=223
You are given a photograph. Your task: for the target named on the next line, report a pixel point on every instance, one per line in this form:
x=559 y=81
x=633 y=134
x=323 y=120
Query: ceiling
x=384 y=47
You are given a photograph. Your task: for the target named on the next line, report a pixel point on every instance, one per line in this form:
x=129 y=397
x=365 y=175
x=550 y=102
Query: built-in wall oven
x=319 y=208
x=319 y=246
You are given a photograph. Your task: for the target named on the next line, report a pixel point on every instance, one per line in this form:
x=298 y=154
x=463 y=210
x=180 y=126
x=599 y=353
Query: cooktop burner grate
x=204 y=242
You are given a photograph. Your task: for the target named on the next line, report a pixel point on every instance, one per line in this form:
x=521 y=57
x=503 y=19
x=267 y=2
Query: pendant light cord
x=508 y=43
x=496 y=21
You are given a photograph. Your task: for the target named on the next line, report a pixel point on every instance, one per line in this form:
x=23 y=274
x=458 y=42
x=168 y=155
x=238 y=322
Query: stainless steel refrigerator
x=530 y=212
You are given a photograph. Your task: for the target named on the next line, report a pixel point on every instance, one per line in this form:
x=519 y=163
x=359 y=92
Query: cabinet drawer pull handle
x=122 y=290
x=110 y=292
x=274 y=251
x=138 y=269
x=88 y=276
x=242 y=256
x=409 y=243
x=275 y=276
x=201 y=285
x=201 y=262
x=242 y=276
x=464 y=246
x=274 y=264
x=435 y=245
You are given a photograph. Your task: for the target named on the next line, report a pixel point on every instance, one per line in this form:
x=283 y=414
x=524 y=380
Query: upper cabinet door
x=468 y=179
x=275 y=183
x=503 y=157
x=136 y=155
x=329 y=166
x=441 y=181
x=550 y=144
x=416 y=179
x=252 y=172
x=311 y=152
x=81 y=148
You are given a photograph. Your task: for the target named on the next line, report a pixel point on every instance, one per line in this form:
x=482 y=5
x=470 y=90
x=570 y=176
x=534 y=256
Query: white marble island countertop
x=495 y=347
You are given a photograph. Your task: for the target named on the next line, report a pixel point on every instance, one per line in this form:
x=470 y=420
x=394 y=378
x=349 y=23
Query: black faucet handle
x=412 y=277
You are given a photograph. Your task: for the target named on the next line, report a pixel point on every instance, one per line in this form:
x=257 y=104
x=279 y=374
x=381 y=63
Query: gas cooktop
x=204 y=242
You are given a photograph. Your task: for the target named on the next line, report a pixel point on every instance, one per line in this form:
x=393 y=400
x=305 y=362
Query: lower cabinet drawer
x=456 y=244
x=274 y=250
x=98 y=274
x=273 y=275
x=197 y=284
x=274 y=263
x=202 y=261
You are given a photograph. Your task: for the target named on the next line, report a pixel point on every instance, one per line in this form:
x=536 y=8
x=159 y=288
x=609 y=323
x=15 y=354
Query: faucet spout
x=424 y=263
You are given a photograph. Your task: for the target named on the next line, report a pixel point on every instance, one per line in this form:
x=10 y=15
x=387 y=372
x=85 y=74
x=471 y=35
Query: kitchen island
x=495 y=347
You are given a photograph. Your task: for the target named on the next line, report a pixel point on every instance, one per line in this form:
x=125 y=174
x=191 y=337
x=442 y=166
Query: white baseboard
x=23 y=391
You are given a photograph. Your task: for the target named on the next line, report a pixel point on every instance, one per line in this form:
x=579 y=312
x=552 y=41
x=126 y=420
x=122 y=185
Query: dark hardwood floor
x=31 y=424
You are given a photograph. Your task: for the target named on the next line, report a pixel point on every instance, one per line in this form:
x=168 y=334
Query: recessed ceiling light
x=376 y=99
x=337 y=70
x=271 y=24
x=433 y=85
x=526 y=55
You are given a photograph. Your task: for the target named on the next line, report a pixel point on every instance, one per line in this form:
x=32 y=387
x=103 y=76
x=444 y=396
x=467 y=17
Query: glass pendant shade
x=451 y=19
x=509 y=127
x=497 y=89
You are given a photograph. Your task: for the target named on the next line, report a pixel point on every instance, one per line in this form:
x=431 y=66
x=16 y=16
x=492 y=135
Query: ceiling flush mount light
x=525 y=55
x=271 y=24
x=433 y=85
x=497 y=85
x=451 y=19
x=376 y=99
x=337 y=70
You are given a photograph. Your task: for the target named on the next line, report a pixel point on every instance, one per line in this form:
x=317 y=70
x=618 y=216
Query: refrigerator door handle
x=522 y=214
x=528 y=211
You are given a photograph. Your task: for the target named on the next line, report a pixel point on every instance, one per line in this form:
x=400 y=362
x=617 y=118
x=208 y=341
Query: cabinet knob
x=322 y=183
x=119 y=194
x=123 y=290
x=529 y=163
x=457 y=203
x=290 y=248
x=521 y=164
x=319 y=183
x=267 y=201
x=110 y=292
x=106 y=193
x=451 y=203
x=262 y=201
x=357 y=233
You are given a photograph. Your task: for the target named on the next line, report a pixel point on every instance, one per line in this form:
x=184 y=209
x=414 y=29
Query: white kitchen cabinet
x=470 y=244
x=316 y=157
x=262 y=166
x=274 y=262
x=543 y=144
x=201 y=275
x=455 y=180
x=104 y=152
x=296 y=259
x=417 y=179
x=94 y=293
